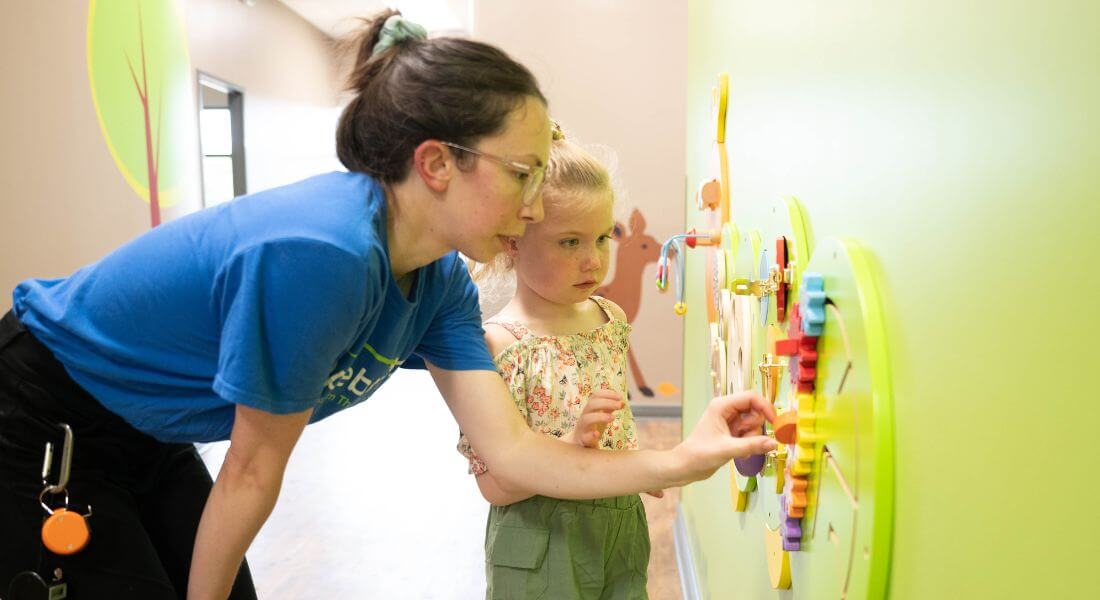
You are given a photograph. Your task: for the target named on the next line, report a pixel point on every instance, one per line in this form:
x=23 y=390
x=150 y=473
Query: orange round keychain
x=64 y=531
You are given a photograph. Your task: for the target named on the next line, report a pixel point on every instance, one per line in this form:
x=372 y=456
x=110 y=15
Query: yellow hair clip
x=556 y=134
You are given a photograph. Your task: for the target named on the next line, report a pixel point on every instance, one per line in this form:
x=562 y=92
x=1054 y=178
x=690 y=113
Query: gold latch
x=770 y=371
x=763 y=287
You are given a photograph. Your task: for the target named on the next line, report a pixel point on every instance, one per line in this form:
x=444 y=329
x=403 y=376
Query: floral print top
x=550 y=378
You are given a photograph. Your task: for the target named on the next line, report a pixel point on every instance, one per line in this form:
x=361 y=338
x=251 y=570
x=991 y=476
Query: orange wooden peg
x=786 y=427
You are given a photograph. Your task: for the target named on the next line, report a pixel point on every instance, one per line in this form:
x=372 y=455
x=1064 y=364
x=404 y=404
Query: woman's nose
x=533 y=213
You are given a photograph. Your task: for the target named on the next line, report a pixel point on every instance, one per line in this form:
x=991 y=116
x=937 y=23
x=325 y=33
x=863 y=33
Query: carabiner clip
x=66 y=462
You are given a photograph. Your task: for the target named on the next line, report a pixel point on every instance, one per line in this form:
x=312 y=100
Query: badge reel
x=64 y=531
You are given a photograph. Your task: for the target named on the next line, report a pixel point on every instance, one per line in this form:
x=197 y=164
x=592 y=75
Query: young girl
x=562 y=354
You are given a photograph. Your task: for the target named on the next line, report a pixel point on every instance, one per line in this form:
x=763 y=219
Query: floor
x=664 y=577
x=376 y=503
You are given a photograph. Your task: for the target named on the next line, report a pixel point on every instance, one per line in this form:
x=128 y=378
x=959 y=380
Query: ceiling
x=337 y=17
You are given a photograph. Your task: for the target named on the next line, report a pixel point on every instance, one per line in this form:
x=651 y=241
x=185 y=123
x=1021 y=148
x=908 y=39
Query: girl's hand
x=595 y=418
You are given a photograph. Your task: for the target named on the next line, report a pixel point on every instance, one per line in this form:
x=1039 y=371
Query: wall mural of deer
x=636 y=249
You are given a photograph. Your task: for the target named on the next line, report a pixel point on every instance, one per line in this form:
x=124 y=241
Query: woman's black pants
x=146 y=496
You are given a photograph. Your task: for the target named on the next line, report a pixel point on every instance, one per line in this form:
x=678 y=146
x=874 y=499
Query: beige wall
x=65 y=203
x=615 y=72
x=291 y=85
x=609 y=69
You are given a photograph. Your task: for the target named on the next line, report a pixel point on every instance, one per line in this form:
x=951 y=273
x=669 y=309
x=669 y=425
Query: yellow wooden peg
x=807 y=466
x=805 y=403
x=806 y=421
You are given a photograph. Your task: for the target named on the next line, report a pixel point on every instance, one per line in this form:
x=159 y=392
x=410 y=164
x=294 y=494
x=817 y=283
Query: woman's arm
x=597 y=414
x=242 y=498
x=523 y=461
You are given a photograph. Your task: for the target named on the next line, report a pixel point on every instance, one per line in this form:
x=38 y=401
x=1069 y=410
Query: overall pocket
x=514 y=562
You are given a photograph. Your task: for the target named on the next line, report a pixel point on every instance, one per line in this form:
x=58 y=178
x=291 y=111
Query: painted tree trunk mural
x=144 y=96
x=636 y=250
x=152 y=155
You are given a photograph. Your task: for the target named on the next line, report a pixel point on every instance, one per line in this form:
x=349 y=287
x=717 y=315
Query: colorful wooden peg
x=786 y=427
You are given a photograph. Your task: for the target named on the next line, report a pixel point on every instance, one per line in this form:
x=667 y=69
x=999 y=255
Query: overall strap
x=604 y=305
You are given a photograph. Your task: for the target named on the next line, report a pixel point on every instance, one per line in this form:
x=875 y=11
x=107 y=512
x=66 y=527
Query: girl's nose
x=590 y=262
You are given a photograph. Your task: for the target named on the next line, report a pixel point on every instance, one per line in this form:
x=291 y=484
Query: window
x=221 y=139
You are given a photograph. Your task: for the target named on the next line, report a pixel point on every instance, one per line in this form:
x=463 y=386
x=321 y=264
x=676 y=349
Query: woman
x=249 y=320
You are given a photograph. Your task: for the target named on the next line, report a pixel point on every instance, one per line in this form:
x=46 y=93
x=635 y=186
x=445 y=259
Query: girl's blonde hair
x=572 y=175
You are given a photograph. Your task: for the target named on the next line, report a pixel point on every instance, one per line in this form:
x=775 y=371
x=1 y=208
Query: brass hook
x=769 y=376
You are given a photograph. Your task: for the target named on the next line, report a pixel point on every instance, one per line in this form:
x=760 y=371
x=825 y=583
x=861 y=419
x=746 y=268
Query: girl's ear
x=434 y=164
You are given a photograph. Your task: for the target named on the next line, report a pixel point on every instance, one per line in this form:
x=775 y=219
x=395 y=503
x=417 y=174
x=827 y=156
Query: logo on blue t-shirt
x=356 y=382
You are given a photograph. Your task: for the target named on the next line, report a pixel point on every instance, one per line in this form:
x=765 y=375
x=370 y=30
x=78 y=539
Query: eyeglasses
x=532 y=185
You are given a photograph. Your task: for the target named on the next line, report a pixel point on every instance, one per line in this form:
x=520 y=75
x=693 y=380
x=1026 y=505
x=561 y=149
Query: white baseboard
x=685 y=561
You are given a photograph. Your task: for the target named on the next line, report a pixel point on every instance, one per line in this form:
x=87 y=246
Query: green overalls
x=565 y=549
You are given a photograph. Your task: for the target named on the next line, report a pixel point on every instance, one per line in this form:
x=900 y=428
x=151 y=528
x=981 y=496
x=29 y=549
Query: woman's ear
x=434 y=164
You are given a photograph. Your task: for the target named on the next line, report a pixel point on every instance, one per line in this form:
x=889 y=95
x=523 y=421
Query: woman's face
x=488 y=210
x=564 y=258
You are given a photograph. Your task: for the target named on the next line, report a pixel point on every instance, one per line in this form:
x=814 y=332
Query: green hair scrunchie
x=396 y=30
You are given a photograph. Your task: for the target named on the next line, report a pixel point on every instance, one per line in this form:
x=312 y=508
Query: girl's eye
x=520 y=175
x=603 y=239
x=569 y=243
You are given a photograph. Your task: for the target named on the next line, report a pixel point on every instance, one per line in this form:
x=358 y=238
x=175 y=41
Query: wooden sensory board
x=845 y=540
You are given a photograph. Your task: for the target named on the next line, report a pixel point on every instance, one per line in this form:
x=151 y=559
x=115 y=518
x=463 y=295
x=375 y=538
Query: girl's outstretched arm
x=524 y=461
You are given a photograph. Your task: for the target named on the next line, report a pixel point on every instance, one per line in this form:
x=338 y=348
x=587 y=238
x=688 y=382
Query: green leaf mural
x=141 y=84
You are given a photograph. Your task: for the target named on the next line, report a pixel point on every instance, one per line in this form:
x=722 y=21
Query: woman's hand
x=595 y=417
x=729 y=428
x=522 y=459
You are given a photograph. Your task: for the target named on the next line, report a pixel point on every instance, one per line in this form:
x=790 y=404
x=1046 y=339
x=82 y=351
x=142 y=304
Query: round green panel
x=846 y=546
x=800 y=241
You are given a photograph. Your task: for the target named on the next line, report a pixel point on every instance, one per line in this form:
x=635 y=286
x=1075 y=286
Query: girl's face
x=488 y=211
x=564 y=258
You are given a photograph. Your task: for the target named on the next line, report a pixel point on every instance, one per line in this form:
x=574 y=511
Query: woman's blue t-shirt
x=282 y=300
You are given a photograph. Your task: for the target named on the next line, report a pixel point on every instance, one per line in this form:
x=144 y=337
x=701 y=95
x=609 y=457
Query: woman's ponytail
x=415 y=89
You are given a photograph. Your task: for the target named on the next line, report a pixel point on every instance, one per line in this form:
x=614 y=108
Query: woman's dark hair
x=449 y=89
